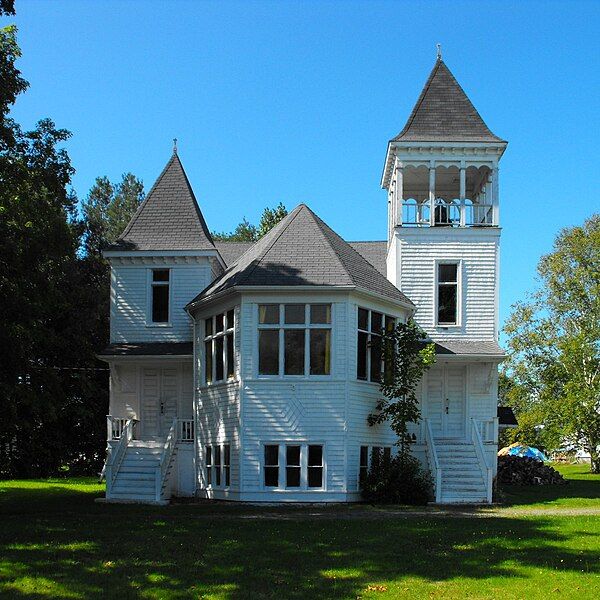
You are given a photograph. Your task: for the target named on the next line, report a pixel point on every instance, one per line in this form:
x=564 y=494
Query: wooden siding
x=416 y=253
x=130 y=296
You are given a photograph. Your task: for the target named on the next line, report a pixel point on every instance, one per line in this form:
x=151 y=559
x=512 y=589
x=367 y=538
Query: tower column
x=399 y=190
x=463 y=193
x=432 y=193
x=495 y=197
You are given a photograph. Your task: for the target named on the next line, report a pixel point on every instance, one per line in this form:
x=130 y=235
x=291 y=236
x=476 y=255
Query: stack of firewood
x=517 y=470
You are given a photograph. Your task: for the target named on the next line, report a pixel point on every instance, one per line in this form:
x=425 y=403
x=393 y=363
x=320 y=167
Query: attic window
x=160 y=295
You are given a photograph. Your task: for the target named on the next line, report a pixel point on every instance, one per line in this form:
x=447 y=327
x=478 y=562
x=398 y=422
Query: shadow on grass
x=79 y=549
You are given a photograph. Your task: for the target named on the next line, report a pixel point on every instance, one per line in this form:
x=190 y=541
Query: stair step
x=133 y=495
x=136 y=475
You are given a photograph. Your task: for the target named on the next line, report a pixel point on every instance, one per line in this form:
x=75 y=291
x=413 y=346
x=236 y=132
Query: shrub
x=397 y=480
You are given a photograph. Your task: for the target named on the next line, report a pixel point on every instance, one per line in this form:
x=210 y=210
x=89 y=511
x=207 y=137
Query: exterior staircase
x=462 y=479
x=136 y=478
x=139 y=471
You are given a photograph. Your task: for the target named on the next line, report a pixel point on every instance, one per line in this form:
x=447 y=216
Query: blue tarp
x=527 y=451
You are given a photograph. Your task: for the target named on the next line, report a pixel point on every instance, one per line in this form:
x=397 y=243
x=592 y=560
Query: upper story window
x=370 y=363
x=447 y=294
x=160 y=285
x=219 y=362
x=294 y=339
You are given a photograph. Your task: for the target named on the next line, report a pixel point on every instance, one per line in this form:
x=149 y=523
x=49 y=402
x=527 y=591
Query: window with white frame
x=218 y=465
x=219 y=362
x=370 y=357
x=159 y=295
x=447 y=294
x=294 y=466
x=294 y=339
x=366 y=457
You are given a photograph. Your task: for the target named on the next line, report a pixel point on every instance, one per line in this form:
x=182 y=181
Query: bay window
x=294 y=339
x=219 y=363
x=370 y=357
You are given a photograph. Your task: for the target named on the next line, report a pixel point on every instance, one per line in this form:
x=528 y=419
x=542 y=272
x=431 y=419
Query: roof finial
x=439 y=51
x=174 y=145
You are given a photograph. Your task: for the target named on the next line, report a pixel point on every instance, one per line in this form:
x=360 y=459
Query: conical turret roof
x=444 y=113
x=169 y=218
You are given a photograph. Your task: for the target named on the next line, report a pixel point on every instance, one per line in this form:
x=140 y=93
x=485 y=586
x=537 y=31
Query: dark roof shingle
x=443 y=112
x=303 y=250
x=169 y=218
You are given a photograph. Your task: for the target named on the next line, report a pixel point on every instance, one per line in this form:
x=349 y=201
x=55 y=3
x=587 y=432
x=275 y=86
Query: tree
x=246 y=232
x=554 y=343
x=107 y=209
x=406 y=359
x=7 y=7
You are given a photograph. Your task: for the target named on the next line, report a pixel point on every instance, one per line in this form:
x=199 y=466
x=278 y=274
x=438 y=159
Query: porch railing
x=488 y=430
x=446 y=213
x=117 y=453
x=165 y=460
x=486 y=469
x=114 y=427
x=434 y=463
x=186 y=430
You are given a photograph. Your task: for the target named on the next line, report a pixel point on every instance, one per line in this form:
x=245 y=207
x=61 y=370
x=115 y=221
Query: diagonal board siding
x=416 y=265
x=130 y=298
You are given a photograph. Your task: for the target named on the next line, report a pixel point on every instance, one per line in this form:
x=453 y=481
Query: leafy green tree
x=48 y=373
x=7 y=7
x=107 y=209
x=407 y=358
x=246 y=232
x=554 y=343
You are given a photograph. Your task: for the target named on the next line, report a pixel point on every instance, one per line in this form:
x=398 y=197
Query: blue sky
x=295 y=102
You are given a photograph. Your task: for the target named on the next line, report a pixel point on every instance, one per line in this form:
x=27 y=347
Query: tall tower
x=441 y=175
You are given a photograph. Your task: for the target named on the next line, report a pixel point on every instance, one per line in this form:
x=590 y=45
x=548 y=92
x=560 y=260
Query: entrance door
x=160 y=392
x=446 y=401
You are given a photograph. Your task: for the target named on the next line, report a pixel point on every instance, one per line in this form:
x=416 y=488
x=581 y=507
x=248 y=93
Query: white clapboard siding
x=130 y=298
x=413 y=259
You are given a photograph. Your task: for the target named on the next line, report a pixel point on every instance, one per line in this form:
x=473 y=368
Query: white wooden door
x=168 y=399
x=446 y=401
x=150 y=401
x=160 y=395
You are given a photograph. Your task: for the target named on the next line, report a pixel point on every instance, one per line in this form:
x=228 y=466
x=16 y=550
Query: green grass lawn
x=57 y=543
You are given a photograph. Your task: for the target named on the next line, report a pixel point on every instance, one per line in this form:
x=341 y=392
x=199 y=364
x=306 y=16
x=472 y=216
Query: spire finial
x=174 y=145
x=439 y=51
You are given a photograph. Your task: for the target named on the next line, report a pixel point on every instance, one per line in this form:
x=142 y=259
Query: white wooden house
x=247 y=371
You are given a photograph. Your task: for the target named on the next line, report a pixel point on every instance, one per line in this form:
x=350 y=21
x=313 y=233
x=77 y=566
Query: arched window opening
x=478 y=203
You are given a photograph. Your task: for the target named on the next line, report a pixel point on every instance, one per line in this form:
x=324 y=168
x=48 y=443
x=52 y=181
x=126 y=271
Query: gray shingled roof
x=169 y=218
x=462 y=347
x=374 y=252
x=149 y=349
x=443 y=112
x=302 y=250
x=231 y=251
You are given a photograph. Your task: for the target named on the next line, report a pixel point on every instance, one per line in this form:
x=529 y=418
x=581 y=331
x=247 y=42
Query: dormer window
x=447 y=294
x=160 y=295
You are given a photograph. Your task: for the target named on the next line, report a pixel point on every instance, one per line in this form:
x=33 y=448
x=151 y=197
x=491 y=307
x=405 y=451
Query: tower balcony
x=446 y=213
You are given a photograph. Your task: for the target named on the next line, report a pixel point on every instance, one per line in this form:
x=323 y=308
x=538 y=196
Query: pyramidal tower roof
x=301 y=250
x=444 y=113
x=169 y=218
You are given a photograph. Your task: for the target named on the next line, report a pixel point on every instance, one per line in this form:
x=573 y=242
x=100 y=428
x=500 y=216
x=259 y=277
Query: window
x=217 y=452
x=315 y=466
x=303 y=466
x=369 y=355
x=447 y=294
x=160 y=295
x=209 y=465
x=219 y=361
x=363 y=468
x=227 y=464
x=294 y=339
x=292 y=466
x=271 y=465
